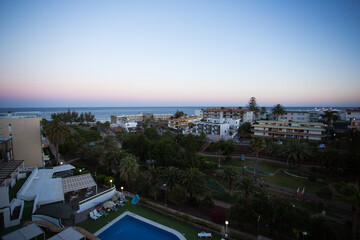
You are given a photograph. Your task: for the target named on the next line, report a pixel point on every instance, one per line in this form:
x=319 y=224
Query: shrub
x=107 y=180
x=100 y=179
x=218 y=215
x=312 y=178
x=207 y=202
x=177 y=195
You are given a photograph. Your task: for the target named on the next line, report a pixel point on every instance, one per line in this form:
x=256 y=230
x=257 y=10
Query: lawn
x=187 y=230
x=285 y=180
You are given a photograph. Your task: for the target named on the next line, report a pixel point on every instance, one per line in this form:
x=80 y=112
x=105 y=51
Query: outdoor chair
x=114 y=208
x=96 y=213
x=119 y=203
x=103 y=212
x=92 y=216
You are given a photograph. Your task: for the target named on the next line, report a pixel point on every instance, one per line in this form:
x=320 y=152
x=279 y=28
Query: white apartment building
x=244 y=115
x=184 y=124
x=140 y=117
x=349 y=114
x=295 y=116
x=293 y=130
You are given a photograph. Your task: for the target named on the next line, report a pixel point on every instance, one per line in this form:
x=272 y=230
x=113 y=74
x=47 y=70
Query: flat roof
x=75 y=183
x=46 y=188
x=68 y=234
x=25 y=233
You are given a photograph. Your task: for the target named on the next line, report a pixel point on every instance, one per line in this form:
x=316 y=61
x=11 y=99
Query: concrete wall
x=26 y=137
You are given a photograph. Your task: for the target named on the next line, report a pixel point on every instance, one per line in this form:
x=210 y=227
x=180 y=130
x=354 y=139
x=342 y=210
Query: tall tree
x=231 y=175
x=170 y=176
x=179 y=114
x=252 y=105
x=89 y=117
x=128 y=169
x=330 y=117
x=193 y=182
x=278 y=110
x=257 y=144
x=296 y=151
x=153 y=175
x=263 y=111
x=351 y=194
x=56 y=132
x=246 y=185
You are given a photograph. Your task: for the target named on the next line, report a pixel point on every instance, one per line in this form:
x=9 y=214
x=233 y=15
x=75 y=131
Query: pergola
x=79 y=182
x=26 y=233
x=8 y=168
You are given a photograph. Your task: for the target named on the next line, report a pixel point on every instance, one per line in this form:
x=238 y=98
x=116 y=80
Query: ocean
x=103 y=114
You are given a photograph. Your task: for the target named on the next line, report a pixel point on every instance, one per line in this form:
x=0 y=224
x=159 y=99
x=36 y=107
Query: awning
x=25 y=233
x=78 y=182
x=56 y=210
x=68 y=234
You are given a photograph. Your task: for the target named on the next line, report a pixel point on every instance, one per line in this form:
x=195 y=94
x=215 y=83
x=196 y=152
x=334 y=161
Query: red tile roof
x=352 y=110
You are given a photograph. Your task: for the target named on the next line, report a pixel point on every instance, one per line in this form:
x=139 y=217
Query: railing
x=96 y=195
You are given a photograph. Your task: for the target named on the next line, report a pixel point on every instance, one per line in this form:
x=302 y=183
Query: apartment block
x=184 y=124
x=244 y=115
x=140 y=117
x=293 y=130
x=25 y=132
x=350 y=114
x=295 y=116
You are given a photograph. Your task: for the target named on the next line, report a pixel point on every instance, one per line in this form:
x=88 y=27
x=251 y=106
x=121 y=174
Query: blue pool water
x=132 y=228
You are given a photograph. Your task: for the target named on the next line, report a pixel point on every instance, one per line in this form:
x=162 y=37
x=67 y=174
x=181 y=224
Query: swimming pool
x=132 y=226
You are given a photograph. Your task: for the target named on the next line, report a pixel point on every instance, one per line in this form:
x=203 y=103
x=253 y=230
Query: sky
x=179 y=53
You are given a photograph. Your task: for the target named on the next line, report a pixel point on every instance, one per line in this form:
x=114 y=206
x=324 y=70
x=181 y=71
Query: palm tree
x=153 y=174
x=193 y=181
x=231 y=175
x=351 y=193
x=246 y=185
x=330 y=117
x=56 y=132
x=128 y=169
x=296 y=151
x=278 y=110
x=170 y=176
x=257 y=144
x=330 y=159
x=263 y=112
x=113 y=157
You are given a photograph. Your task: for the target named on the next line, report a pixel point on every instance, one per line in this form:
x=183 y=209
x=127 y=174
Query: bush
x=107 y=180
x=312 y=178
x=177 y=195
x=207 y=202
x=100 y=179
x=218 y=215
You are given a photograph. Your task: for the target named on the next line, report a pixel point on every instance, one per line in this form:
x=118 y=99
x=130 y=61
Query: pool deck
x=155 y=224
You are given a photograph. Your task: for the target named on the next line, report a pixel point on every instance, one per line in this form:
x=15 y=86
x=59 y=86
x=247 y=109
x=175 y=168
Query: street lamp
x=80 y=170
x=164 y=185
x=110 y=182
x=226 y=223
x=258 y=220
x=122 y=190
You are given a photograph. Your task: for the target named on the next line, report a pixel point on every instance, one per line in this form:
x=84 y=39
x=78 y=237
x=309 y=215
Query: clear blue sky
x=176 y=53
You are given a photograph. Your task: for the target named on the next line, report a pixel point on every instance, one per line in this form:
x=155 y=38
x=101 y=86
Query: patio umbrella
x=108 y=204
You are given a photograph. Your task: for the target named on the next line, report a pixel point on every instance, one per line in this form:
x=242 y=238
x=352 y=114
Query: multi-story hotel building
x=244 y=115
x=25 y=132
x=350 y=114
x=295 y=116
x=295 y=130
x=184 y=124
x=140 y=117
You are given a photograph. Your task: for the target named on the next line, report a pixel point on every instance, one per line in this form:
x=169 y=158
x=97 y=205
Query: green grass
x=28 y=207
x=189 y=231
x=13 y=191
x=285 y=180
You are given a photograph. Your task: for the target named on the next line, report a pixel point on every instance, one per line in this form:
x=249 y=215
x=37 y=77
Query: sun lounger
x=119 y=203
x=122 y=198
x=103 y=212
x=96 y=213
x=92 y=216
x=114 y=208
x=204 y=234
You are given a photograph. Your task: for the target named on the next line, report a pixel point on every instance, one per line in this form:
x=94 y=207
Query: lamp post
x=258 y=220
x=122 y=190
x=110 y=182
x=164 y=185
x=226 y=228
x=80 y=171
